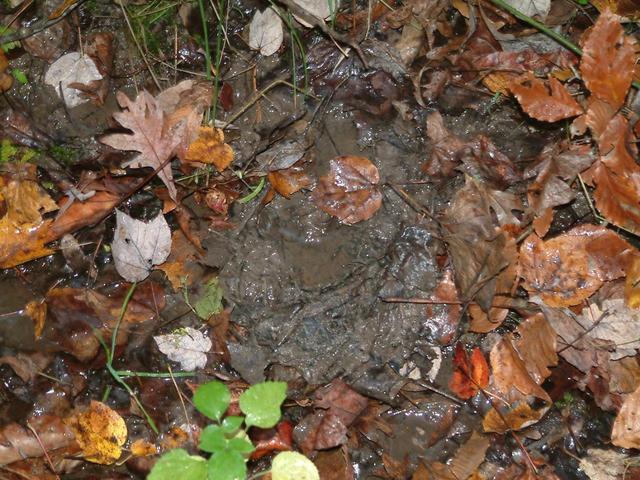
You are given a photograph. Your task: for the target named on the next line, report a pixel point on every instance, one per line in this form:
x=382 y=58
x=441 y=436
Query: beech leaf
x=538 y=103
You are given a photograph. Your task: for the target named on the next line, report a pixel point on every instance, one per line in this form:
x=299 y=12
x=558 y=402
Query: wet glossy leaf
x=138 y=246
x=261 y=403
x=100 y=432
x=209 y=148
x=227 y=465
x=349 y=192
x=178 y=464
x=541 y=104
x=293 y=466
x=289 y=181
x=275 y=439
x=608 y=59
x=571 y=267
x=471 y=372
x=212 y=399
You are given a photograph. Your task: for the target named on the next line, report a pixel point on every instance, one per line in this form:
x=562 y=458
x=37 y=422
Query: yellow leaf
x=37 y=311
x=210 y=148
x=100 y=432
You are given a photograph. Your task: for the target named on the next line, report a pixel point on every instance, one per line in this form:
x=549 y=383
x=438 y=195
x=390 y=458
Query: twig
x=44 y=450
x=511 y=303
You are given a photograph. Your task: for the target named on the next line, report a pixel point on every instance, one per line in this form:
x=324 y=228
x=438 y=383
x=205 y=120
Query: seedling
x=226 y=440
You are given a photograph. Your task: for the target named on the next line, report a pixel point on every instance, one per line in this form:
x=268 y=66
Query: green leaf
x=20 y=76
x=241 y=445
x=293 y=466
x=212 y=399
x=7 y=150
x=227 y=465
x=261 y=403
x=212 y=439
x=232 y=424
x=178 y=464
x=210 y=302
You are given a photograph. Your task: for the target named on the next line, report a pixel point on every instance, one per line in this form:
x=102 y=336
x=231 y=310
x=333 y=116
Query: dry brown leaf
x=632 y=284
x=469 y=456
x=535 y=341
x=149 y=136
x=350 y=191
x=100 y=432
x=569 y=268
x=541 y=104
x=626 y=427
x=209 y=148
x=608 y=60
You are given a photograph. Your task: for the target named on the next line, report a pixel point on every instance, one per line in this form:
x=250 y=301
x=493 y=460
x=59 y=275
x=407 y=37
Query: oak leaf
x=149 y=136
x=541 y=104
x=350 y=191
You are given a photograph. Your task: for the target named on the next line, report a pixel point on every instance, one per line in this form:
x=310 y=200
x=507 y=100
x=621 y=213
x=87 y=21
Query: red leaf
x=541 y=104
x=277 y=439
x=471 y=373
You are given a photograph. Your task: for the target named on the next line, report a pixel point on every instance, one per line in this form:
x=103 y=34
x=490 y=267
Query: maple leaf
x=608 y=60
x=471 y=373
x=541 y=104
x=145 y=119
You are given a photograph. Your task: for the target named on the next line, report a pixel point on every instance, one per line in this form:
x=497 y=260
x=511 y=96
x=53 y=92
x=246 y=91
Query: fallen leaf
x=289 y=181
x=481 y=159
x=569 y=268
x=187 y=346
x=626 y=427
x=541 y=104
x=469 y=456
x=471 y=373
x=265 y=32
x=209 y=148
x=350 y=191
x=532 y=8
x=600 y=464
x=516 y=418
x=278 y=439
x=18 y=442
x=72 y=69
x=100 y=432
x=608 y=60
x=632 y=284
x=149 y=136
x=444 y=147
x=138 y=246
x=37 y=311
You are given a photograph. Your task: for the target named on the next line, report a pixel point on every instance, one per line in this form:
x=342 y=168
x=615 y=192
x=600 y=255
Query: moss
x=63 y=154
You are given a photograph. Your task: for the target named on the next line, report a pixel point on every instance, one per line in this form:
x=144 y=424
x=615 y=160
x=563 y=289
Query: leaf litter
x=447 y=279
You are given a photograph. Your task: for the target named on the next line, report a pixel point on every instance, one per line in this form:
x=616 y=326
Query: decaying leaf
x=72 y=68
x=149 y=136
x=266 y=32
x=469 y=456
x=139 y=246
x=626 y=427
x=350 y=191
x=471 y=373
x=541 y=104
x=100 y=432
x=209 y=148
x=571 y=267
x=187 y=346
x=532 y=8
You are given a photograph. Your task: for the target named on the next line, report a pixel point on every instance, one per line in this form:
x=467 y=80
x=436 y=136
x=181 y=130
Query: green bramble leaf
x=212 y=399
x=261 y=403
x=178 y=464
x=293 y=466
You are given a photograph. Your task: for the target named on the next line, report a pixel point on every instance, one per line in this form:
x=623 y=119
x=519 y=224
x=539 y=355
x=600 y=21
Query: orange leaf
x=534 y=98
x=471 y=373
x=210 y=148
x=289 y=181
x=608 y=60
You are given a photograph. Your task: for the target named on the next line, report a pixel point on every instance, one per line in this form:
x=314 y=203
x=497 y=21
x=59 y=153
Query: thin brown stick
x=44 y=450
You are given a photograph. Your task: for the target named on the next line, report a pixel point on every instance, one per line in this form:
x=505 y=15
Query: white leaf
x=187 y=346
x=72 y=68
x=319 y=8
x=532 y=7
x=293 y=466
x=265 y=32
x=138 y=246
